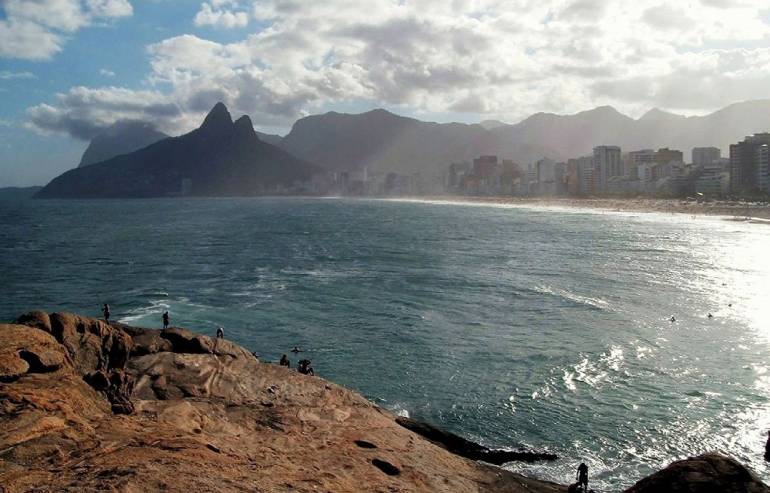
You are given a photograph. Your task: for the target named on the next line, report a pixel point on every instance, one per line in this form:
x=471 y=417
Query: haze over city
x=71 y=68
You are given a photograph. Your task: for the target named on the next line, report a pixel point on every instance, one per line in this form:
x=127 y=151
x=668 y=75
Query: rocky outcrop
x=465 y=448
x=87 y=406
x=709 y=473
x=91 y=344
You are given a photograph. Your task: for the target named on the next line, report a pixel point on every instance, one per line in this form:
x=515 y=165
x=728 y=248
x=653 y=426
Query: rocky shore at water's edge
x=88 y=406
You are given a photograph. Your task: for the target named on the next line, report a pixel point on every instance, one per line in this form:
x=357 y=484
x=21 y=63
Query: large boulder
x=91 y=344
x=145 y=341
x=187 y=341
x=28 y=351
x=708 y=473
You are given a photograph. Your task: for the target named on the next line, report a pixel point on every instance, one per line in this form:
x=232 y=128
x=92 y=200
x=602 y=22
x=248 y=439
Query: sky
x=70 y=68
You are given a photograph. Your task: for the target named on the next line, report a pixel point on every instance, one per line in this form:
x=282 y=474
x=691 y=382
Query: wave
x=595 y=373
x=596 y=303
x=154 y=309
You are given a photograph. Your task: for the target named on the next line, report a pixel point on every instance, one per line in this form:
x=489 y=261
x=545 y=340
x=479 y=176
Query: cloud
x=212 y=14
x=8 y=75
x=37 y=29
x=501 y=59
x=107 y=73
x=666 y=18
x=83 y=112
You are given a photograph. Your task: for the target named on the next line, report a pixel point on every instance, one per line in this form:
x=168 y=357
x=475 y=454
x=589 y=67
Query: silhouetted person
x=710 y=315
x=304 y=367
x=106 y=312
x=582 y=475
x=767 y=447
x=672 y=319
x=165 y=320
x=220 y=333
x=285 y=361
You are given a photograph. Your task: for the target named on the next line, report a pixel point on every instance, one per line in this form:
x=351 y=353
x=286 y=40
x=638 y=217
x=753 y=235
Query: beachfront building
x=579 y=176
x=713 y=184
x=607 y=162
x=510 y=177
x=763 y=168
x=666 y=155
x=745 y=169
x=457 y=171
x=705 y=156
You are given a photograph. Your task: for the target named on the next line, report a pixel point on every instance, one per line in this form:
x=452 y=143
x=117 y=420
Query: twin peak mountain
x=219 y=158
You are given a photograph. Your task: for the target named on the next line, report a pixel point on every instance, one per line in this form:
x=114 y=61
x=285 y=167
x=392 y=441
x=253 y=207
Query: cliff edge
x=88 y=406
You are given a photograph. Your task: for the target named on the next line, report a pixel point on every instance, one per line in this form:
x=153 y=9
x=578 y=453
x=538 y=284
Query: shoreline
x=728 y=210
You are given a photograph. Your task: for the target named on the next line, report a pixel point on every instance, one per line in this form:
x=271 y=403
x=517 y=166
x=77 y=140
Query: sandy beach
x=733 y=210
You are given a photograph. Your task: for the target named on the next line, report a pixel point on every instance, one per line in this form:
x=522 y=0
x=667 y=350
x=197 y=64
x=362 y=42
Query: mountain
x=490 y=124
x=563 y=135
x=18 y=193
x=220 y=158
x=382 y=141
x=270 y=138
x=120 y=138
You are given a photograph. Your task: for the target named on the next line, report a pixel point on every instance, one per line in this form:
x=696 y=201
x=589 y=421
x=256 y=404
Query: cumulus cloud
x=83 y=112
x=215 y=14
x=500 y=59
x=37 y=29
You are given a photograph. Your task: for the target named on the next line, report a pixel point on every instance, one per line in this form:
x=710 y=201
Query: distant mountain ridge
x=220 y=158
x=120 y=138
x=383 y=141
x=18 y=193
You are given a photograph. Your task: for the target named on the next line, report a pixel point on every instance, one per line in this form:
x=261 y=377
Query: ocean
x=513 y=326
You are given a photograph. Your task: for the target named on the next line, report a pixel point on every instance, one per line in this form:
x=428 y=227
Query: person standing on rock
x=220 y=333
x=582 y=476
x=106 y=312
x=165 y=320
x=767 y=447
x=285 y=361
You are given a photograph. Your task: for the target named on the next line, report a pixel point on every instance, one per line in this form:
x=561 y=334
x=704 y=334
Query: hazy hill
x=219 y=158
x=270 y=138
x=18 y=193
x=383 y=141
x=120 y=138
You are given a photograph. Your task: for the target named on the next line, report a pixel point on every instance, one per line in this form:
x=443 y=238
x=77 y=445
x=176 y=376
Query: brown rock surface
x=708 y=473
x=193 y=414
x=207 y=416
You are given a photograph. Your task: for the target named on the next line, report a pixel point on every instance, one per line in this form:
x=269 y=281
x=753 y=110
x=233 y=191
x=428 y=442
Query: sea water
x=515 y=327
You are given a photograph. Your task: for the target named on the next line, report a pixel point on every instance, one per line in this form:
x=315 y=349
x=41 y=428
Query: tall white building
x=607 y=163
